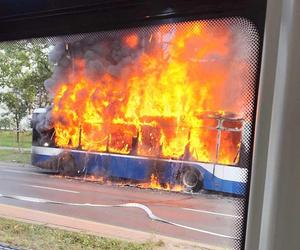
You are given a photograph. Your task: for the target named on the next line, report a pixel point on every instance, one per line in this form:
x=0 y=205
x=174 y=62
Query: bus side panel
x=119 y=167
x=89 y=163
x=226 y=179
x=136 y=169
x=139 y=169
x=36 y=159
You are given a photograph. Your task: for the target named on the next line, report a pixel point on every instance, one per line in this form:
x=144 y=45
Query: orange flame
x=155 y=184
x=155 y=106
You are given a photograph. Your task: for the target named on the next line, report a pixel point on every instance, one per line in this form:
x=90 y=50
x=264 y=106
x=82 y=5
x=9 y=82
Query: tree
x=23 y=69
x=5 y=123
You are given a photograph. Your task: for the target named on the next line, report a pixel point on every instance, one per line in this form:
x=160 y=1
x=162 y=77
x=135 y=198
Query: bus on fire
x=142 y=158
x=171 y=105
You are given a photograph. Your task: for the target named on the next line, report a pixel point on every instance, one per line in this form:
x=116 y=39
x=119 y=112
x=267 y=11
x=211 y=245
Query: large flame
x=155 y=106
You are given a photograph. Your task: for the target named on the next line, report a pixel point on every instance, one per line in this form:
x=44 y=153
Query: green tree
x=23 y=69
x=5 y=123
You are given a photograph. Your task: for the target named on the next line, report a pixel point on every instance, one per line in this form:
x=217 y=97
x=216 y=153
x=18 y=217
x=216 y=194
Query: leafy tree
x=5 y=123
x=23 y=69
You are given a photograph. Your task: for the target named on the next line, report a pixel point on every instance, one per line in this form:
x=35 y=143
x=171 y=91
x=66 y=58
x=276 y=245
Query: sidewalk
x=90 y=227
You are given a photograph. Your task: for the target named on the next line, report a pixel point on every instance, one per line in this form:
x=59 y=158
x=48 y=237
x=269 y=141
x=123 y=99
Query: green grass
x=9 y=139
x=31 y=236
x=11 y=155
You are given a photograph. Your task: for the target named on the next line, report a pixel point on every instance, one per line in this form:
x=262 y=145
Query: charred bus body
x=134 y=164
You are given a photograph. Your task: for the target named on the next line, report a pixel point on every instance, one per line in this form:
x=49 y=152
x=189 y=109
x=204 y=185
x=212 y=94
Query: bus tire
x=192 y=180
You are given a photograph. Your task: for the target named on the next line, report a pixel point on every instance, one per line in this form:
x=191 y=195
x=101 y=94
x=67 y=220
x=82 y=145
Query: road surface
x=211 y=219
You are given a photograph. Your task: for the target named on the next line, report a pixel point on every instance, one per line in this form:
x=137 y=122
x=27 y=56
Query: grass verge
x=9 y=139
x=31 y=236
x=11 y=155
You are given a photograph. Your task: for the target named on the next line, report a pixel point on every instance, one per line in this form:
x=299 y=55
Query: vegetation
x=9 y=155
x=23 y=69
x=31 y=236
x=8 y=139
x=5 y=123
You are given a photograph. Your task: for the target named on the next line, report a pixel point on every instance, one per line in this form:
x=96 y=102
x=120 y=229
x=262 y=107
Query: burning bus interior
x=169 y=104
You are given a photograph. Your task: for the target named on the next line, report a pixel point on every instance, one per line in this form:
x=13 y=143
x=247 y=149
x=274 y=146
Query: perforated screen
x=165 y=107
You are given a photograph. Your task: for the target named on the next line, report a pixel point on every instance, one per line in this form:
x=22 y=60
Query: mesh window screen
x=162 y=114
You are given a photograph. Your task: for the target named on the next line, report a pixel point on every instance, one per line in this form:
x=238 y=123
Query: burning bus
x=167 y=104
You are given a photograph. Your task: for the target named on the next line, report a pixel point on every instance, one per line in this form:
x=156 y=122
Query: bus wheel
x=192 y=180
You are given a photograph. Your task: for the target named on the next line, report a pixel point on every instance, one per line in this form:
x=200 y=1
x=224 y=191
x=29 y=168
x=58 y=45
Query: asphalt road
x=215 y=214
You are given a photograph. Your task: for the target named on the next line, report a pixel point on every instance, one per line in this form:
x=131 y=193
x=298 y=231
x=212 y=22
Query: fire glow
x=155 y=184
x=154 y=105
